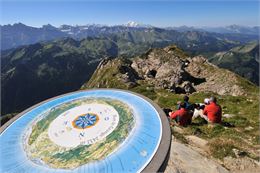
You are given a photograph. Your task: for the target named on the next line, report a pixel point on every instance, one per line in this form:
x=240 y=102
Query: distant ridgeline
x=32 y=73
x=196 y=39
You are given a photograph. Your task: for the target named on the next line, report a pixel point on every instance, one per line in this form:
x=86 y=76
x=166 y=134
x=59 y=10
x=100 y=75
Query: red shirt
x=183 y=115
x=213 y=112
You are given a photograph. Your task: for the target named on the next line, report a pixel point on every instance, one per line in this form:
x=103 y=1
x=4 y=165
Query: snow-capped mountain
x=91 y=30
x=20 y=34
x=136 y=25
x=132 y=24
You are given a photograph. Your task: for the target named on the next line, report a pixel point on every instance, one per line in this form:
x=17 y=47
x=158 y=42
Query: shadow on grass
x=200 y=122
x=227 y=124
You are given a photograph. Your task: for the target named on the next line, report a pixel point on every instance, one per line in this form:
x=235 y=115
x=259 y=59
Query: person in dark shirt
x=187 y=104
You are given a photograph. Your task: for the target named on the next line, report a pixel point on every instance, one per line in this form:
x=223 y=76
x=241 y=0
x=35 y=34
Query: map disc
x=99 y=130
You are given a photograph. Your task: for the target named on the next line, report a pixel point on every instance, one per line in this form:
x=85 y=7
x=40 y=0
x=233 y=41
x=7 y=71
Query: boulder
x=187 y=87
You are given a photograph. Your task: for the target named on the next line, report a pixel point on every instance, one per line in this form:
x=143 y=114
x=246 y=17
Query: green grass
x=220 y=148
x=222 y=138
x=146 y=90
x=168 y=100
x=106 y=78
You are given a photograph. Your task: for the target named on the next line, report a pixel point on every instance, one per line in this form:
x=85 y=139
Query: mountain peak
x=19 y=24
x=48 y=26
x=136 y=25
x=132 y=24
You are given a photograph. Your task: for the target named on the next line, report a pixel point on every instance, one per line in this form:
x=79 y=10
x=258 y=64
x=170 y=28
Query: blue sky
x=157 y=13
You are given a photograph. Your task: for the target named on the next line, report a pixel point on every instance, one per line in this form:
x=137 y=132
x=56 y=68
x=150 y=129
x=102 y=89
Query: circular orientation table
x=99 y=130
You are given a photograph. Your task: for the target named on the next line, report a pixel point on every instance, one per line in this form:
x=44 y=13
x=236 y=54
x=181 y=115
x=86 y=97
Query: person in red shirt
x=181 y=116
x=213 y=111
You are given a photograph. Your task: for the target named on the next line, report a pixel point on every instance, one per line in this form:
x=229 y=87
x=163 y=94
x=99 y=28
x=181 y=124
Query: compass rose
x=85 y=121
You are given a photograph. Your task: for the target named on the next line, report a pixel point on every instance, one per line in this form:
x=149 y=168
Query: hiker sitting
x=206 y=102
x=186 y=102
x=213 y=111
x=198 y=109
x=181 y=116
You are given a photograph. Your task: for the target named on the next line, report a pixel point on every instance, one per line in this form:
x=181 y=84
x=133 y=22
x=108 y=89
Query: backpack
x=188 y=106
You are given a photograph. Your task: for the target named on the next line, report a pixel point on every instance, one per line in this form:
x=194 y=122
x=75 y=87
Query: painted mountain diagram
x=86 y=131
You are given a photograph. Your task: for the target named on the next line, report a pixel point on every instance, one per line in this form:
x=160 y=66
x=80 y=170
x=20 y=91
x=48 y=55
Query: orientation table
x=98 y=130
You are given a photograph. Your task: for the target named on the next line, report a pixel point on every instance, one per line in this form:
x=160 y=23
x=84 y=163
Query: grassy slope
x=243 y=60
x=105 y=78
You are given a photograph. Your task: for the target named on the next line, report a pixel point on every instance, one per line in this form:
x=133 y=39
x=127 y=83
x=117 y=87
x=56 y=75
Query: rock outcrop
x=164 y=69
x=216 y=78
x=169 y=68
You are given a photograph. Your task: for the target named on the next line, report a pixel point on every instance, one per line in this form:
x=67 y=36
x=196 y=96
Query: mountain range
x=231 y=29
x=19 y=34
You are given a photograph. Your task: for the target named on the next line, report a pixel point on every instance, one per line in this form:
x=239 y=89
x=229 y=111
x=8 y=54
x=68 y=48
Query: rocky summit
x=168 y=68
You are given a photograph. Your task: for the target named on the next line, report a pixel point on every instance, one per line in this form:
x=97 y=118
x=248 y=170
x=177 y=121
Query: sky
x=162 y=13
